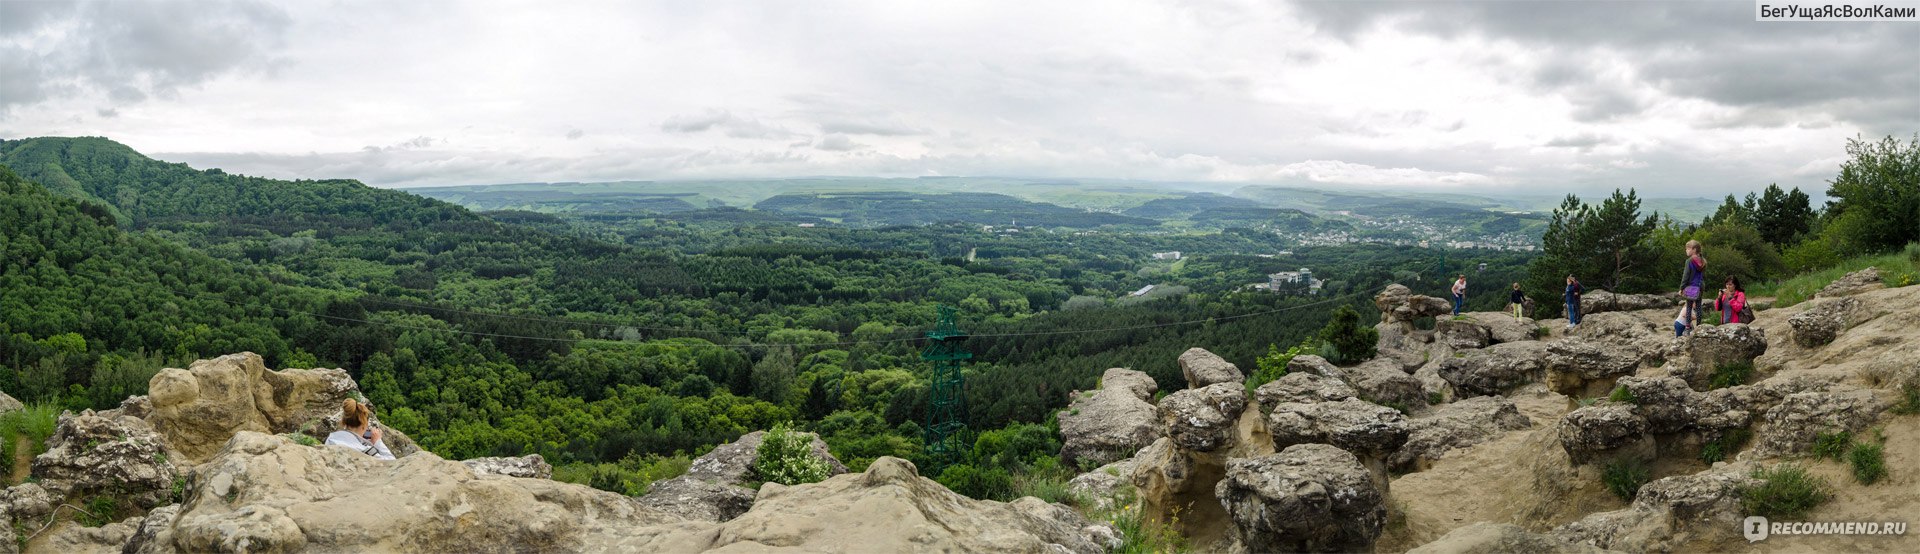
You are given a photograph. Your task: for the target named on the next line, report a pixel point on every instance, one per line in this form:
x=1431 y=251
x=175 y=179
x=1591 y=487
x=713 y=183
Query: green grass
x=1625 y=477
x=1896 y=269
x=1832 y=445
x=1140 y=534
x=1909 y=403
x=1730 y=375
x=1623 y=396
x=1869 y=463
x=1785 y=491
x=1051 y=486
x=36 y=422
x=1725 y=446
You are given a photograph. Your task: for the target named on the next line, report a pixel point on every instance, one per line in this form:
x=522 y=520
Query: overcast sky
x=1680 y=99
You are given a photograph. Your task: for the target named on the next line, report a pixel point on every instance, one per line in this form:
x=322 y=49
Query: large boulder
x=531 y=466
x=1791 y=426
x=9 y=403
x=1852 y=283
x=1382 y=381
x=1455 y=426
x=1710 y=347
x=1495 y=370
x=1398 y=304
x=1599 y=301
x=1823 y=322
x=1670 y=514
x=714 y=487
x=1111 y=423
x=1502 y=538
x=1203 y=368
x=1461 y=334
x=1504 y=328
x=1301 y=387
x=1368 y=430
x=1592 y=433
x=200 y=407
x=1582 y=368
x=1203 y=419
x=1312 y=364
x=121 y=456
x=732 y=463
x=1103 y=484
x=1307 y=498
x=1620 y=327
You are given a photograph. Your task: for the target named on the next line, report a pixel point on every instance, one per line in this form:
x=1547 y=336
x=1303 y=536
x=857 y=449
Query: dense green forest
x=617 y=341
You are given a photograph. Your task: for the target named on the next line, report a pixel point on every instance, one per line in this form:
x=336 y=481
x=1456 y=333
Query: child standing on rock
x=1519 y=301
x=1692 y=282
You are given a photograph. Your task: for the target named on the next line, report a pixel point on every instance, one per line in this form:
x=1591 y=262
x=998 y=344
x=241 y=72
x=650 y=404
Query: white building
x=1143 y=291
x=1174 y=255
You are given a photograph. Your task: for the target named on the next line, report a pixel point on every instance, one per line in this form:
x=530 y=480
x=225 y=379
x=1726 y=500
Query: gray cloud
x=575 y=134
x=837 y=143
x=1580 y=141
x=723 y=120
x=130 y=50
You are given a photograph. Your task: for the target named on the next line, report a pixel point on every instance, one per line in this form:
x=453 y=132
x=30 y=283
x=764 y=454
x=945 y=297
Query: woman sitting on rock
x=357 y=431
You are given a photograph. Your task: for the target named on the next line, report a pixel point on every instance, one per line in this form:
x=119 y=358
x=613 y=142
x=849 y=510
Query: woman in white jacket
x=357 y=431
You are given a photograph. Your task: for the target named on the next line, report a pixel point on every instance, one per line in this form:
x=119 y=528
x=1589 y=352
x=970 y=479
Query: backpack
x=1746 y=313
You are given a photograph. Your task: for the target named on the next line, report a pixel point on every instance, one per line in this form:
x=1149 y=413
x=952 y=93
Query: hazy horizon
x=1507 y=99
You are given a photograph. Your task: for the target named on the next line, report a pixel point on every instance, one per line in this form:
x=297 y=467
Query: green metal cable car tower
x=946 y=430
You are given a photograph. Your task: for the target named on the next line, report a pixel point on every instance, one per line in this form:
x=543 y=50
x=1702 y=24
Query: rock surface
x=9 y=403
x=1503 y=538
x=1366 y=429
x=1454 y=426
x=531 y=466
x=1302 y=387
x=713 y=488
x=1818 y=326
x=1667 y=513
x=200 y=407
x=1495 y=370
x=1582 y=368
x=1600 y=301
x=1307 y=498
x=1851 y=283
x=1111 y=423
x=120 y=456
x=1203 y=368
x=1713 y=346
x=1382 y=381
x=1461 y=334
x=1202 y=419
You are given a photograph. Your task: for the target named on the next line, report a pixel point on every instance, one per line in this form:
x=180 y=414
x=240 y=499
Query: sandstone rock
x=1791 y=426
x=732 y=463
x=155 y=533
x=1619 y=327
x=1668 y=513
x=1301 y=387
x=697 y=500
x=1600 y=301
x=26 y=500
x=1203 y=368
x=1581 y=368
x=1852 y=283
x=1112 y=423
x=1710 y=347
x=1397 y=303
x=1461 y=334
x=1366 y=429
x=70 y=537
x=1819 y=325
x=1495 y=370
x=9 y=403
x=1382 y=381
x=200 y=407
x=1503 y=328
x=1666 y=403
x=1311 y=364
x=1307 y=498
x=121 y=456
x=1589 y=433
x=531 y=466
x=1457 y=425
x=1502 y=538
x=1103 y=484
x=1202 y=419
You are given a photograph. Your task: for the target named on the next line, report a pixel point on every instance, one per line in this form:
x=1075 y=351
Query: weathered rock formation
x=120 y=456
x=200 y=407
x=1710 y=347
x=1495 y=370
x=1582 y=368
x=1503 y=538
x=1307 y=498
x=713 y=489
x=1202 y=368
x=1669 y=513
x=1600 y=301
x=1111 y=423
x=1456 y=425
x=531 y=466
x=1818 y=326
x=1302 y=387
x=1852 y=283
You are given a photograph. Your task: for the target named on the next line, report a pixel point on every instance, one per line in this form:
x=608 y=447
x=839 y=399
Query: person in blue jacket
x=1572 y=298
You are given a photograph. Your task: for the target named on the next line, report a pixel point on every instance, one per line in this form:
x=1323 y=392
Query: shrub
x=1725 y=446
x=631 y=476
x=35 y=422
x=1909 y=403
x=984 y=484
x=1785 y=491
x=786 y=457
x=1435 y=398
x=1623 y=396
x=1273 y=365
x=1624 y=478
x=1913 y=253
x=101 y=510
x=1869 y=463
x=1832 y=446
x=1730 y=374
x=1351 y=342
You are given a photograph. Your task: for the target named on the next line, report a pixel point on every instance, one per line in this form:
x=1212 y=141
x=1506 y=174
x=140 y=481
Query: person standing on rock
x=1572 y=298
x=357 y=431
x=1519 y=301
x=1693 y=282
x=1732 y=303
x=1459 y=293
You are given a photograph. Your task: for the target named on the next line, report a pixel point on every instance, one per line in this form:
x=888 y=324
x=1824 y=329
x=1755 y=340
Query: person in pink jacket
x=1732 y=303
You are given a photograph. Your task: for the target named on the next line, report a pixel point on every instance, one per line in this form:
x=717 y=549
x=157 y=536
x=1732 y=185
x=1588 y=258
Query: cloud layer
x=1680 y=99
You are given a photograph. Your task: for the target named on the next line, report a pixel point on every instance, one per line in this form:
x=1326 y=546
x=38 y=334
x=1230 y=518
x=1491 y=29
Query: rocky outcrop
x=713 y=488
x=1302 y=387
x=1582 y=368
x=531 y=466
x=200 y=407
x=1791 y=426
x=9 y=403
x=1587 y=434
x=1461 y=334
x=1495 y=370
x=1399 y=308
x=1307 y=498
x=1311 y=364
x=121 y=456
x=1368 y=430
x=1851 y=284
x=1503 y=538
x=1454 y=426
x=1668 y=514
x=1202 y=420
x=1175 y=476
x=1111 y=423
x=1382 y=381
x=1600 y=301
x=1821 y=324
x=1103 y=484
x=1203 y=368
x=1710 y=347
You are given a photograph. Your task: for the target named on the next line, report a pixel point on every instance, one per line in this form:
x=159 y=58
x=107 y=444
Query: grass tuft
x=1730 y=375
x=1869 y=463
x=1725 y=446
x=1622 y=395
x=1785 y=491
x=1625 y=477
x=1832 y=445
